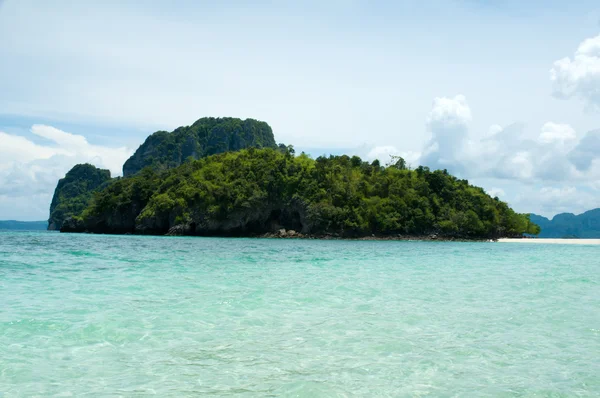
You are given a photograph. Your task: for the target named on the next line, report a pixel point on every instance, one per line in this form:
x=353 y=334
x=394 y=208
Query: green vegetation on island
x=259 y=191
x=161 y=151
x=226 y=176
x=567 y=225
x=207 y=136
x=73 y=192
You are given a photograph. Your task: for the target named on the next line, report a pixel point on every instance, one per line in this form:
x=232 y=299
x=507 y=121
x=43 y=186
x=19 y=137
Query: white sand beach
x=553 y=241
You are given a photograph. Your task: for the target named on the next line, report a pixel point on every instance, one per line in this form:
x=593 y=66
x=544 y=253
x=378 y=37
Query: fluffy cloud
x=506 y=153
x=586 y=151
x=551 y=200
x=579 y=76
x=29 y=171
x=496 y=192
x=448 y=123
x=553 y=170
x=553 y=133
x=553 y=155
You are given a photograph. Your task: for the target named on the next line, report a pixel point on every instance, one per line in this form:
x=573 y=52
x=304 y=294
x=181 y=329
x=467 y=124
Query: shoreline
x=552 y=241
x=291 y=234
x=400 y=238
x=427 y=238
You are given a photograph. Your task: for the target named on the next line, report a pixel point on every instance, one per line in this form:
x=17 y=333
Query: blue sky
x=504 y=93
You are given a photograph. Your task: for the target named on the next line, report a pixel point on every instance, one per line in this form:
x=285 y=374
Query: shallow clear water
x=134 y=316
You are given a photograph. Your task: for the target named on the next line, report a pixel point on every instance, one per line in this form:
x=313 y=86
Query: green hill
x=258 y=191
x=567 y=225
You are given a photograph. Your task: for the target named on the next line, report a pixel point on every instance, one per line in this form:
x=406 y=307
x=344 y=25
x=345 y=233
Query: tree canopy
x=253 y=191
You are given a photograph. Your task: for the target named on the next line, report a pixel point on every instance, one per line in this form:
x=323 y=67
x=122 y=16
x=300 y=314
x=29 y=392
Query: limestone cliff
x=74 y=191
x=207 y=136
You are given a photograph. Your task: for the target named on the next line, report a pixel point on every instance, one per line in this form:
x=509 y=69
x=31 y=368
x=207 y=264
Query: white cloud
x=496 y=192
x=448 y=123
x=587 y=151
x=17 y=148
x=383 y=153
x=555 y=154
x=551 y=200
x=77 y=146
x=449 y=113
x=557 y=133
x=512 y=155
x=494 y=129
x=66 y=141
x=579 y=76
x=29 y=171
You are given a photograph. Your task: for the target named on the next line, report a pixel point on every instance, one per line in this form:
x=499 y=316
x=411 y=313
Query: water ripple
x=138 y=316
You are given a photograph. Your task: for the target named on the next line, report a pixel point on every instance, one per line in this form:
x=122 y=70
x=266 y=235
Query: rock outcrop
x=207 y=136
x=74 y=191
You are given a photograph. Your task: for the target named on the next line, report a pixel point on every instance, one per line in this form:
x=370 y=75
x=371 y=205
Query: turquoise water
x=135 y=316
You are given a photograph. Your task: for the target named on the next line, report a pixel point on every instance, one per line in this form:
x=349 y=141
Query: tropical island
x=228 y=177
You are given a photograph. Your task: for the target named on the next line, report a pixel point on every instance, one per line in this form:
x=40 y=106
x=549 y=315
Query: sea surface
x=93 y=315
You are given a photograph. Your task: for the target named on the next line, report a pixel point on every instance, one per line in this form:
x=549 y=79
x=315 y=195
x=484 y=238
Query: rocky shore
x=291 y=234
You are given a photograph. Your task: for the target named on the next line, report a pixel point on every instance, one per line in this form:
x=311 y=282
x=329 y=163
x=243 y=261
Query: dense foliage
x=207 y=136
x=567 y=225
x=259 y=190
x=74 y=191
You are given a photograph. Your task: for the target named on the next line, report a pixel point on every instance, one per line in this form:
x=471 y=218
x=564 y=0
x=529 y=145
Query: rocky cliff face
x=120 y=219
x=161 y=151
x=264 y=218
x=207 y=136
x=74 y=191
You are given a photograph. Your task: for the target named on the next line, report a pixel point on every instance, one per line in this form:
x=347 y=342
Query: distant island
x=567 y=225
x=23 y=225
x=228 y=177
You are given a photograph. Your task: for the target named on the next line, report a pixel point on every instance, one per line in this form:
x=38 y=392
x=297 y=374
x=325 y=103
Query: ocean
x=174 y=316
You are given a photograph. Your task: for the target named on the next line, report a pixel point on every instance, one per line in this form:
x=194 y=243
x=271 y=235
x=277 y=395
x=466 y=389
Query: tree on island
x=255 y=191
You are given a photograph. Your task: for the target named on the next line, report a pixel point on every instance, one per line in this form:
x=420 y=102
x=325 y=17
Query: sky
x=502 y=93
